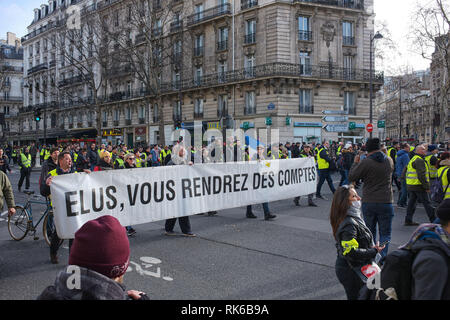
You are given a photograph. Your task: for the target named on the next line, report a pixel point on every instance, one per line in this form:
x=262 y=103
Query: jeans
x=403 y=196
x=324 y=174
x=412 y=203
x=380 y=214
x=348 y=278
x=344 y=177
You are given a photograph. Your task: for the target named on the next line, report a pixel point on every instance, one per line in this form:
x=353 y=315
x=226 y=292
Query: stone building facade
x=258 y=63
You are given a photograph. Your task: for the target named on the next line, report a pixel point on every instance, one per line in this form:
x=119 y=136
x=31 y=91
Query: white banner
x=136 y=196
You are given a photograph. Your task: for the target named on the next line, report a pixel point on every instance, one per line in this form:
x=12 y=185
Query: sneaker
x=269 y=216
x=189 y=234
x=403 y=206
x=321 y=197
x=211 y=213
x=131 y=232
x=170 y=233
x=411 y=223
x=312 y=204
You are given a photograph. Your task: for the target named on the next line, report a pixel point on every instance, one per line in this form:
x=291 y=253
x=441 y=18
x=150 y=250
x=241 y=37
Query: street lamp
x=377 y=36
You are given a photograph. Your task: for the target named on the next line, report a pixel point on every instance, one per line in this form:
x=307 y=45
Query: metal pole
x=371 y=89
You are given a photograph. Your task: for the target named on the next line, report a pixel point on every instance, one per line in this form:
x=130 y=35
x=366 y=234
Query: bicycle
x=21 y=223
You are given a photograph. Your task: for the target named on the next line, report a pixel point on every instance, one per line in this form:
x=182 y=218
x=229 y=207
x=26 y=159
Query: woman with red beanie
x=98 y=259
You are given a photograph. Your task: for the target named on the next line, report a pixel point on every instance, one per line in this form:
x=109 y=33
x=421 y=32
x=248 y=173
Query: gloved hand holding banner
x=143 y=195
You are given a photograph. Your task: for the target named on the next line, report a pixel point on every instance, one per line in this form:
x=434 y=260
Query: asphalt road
x=232 y=258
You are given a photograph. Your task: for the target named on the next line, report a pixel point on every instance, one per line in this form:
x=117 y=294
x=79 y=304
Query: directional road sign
x=335 y=112
x=336 y=127
x=335 y=119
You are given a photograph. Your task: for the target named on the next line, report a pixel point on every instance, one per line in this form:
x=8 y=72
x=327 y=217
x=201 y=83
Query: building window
x=176 y=80
x=305 y=103
x=250 y=105
x=177 y=109
x=198 y=45
x=221 y=71
x=222 y=107
x=222 y=43
x=348 y=68
x=304 y=30
x=348 y=33
x=116 y=115
x=198 y=108
x=250 y=31
x=198 y=76
x=249 y=66
x=305 y=63
x=349 y=102
x=155 y=113
x=128 y=113
x=141 y=111
x=198 y=12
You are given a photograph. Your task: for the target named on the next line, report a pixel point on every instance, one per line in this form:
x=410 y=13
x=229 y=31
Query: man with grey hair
x=418 y=185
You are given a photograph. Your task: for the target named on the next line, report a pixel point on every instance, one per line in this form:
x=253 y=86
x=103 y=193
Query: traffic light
x=37 y=115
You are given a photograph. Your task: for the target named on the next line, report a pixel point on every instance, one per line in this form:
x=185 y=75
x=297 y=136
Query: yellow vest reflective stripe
x=26 y=161
x=433 y=169
x=321 y=162
x=445 y=182
x=75 y=157
x=412 y=178
x=349 y=245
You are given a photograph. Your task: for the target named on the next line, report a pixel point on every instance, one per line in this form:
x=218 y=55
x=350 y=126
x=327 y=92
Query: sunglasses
x=130 y=158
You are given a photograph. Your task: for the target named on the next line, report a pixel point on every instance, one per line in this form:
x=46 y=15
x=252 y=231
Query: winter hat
x=101 y=245
x=347 y=145
x=443 y=211
x=432 y=147
x=373 y=144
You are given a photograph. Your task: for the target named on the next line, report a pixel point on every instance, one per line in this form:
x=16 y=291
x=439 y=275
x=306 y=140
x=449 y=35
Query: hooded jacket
x=431 y=266
x=376 y=173
x=92 y=286
x=402 y=162
x=421 y=168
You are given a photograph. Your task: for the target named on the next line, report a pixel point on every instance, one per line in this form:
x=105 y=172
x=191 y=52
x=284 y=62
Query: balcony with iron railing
x=209 y=14
x=349 y=4
x=222 y=45
x=71 y=81
x=37 y=68
x=199 y=51
x=305 y=35
x=348 y=41
x=247 y=4
x=176 y=26
x=250 y=38
x=49 y=26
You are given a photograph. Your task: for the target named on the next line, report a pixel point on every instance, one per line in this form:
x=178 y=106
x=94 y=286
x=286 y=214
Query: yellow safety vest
x=433 y=169
x=411 y=173
x=321 y=162
x=26 y=161
x=138 y=162
x=444 y=180
x=47 y=154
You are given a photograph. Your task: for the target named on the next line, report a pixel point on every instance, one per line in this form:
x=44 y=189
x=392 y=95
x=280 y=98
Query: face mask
x=356 y=204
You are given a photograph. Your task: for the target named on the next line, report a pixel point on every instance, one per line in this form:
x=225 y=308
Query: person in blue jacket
x=400 y=164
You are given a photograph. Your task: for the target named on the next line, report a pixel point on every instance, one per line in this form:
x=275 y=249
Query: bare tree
x=431 y=39
x=152 y=42
x=386 y=49
x=84 y=52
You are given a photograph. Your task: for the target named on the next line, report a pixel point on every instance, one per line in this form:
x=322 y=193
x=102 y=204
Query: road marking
x=147 y=263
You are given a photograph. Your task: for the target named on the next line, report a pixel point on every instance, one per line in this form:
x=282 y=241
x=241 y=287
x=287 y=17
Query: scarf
x=427 y=230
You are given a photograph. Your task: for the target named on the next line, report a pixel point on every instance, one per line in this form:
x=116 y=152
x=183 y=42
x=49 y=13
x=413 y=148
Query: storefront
x=308 y=132
x=113 y=136
x=140 y=135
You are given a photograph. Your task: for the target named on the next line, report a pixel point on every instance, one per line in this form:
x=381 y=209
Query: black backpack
x=395 y=277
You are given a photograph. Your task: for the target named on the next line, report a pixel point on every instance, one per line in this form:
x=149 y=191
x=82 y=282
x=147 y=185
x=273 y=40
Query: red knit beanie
x=101 y=245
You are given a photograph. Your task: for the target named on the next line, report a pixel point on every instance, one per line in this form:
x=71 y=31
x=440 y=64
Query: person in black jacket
x=4 y=162
x=354 y=241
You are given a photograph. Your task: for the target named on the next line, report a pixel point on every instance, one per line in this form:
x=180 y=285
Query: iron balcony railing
x=39 y=67
x=351 y=4
x=250 y=38
x=222 y=45
x=348 y=41
x=176 y=26
x=304 y=35
x=277 y=70
x=198 y=51
x=49 y=26
x=209 y=14
x=247 y=4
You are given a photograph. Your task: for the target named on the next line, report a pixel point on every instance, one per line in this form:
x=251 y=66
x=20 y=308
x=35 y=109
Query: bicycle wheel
x=48 y=228
x=19 y=224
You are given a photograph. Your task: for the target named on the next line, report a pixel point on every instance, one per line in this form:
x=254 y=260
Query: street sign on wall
x=336 y=127
x=335 y=119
